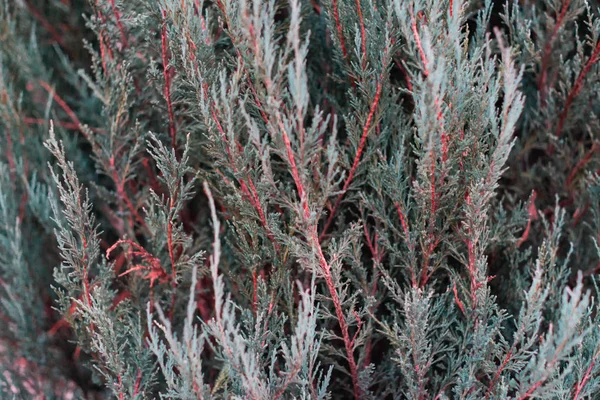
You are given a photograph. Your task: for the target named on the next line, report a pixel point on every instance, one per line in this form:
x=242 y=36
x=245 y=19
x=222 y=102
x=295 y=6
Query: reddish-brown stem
x=156 y=270
x=445 y=145
x=586 y=377
x=549 y=367
x=363 y=36
x=103 y=53
x=459 y=303
x=532 y=389
x=41 y=121
x=314 y=238
x=251 y=194
x=532 y=215
x=257 y=101
x=167 y=75
x=64 y=106
x=472 y=262
x=104 y=48
x=121 y=394
x=119 y=24
x=581 y=164
x=348 y=343
x=418 y=42
x=58 y=38
x=338 y=25
x=120 y=185
x=498 y=372
x=357 y=157
x=577 y=88
x=138 y=381
x=548 y=51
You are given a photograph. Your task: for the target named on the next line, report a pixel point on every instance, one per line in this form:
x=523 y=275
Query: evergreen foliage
x=294 y=199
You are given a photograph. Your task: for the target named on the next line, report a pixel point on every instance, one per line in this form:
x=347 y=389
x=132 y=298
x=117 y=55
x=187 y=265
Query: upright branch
x=577 y=88
x=548 y=50
x=357 y=157
x=415 y=30
x=338 y=25
x=580 y=385
x=325 y=268
x=117 y=15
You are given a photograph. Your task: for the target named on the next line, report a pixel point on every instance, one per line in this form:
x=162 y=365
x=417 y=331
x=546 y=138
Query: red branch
x=120 y=184
x=119 y=24
x=314 y=238
x=250 y=194
x=532 y=389
x=156 y=270
x=363 y=141
x=586 y=377
x=577 y=87
x=47 y=25
x=472 y=261
x=498 y=372
x=338 y=24
x=532 y=216
x=418 y=42
x=64 y=106
x=167 y=72
x=581 y=164
x=548 y=50
x=459 y=303
x=138 y=380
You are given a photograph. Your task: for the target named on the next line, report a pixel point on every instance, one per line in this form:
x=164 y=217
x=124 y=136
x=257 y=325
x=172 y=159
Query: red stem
x=581 y=163
x=314 y=238
x=418 y=42
x=47 y=25
x=532 y=389
x=251 y=194
x=338 y=24
x=581 y=384
x=64 y=106
x=123 y=194
x=548 y=50
x=363 y=141
x=498 y=372
x=577 y=88
x=348 y=343
x=119 y=24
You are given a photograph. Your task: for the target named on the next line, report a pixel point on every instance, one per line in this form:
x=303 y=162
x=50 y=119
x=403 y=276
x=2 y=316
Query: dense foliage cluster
x=294 y=199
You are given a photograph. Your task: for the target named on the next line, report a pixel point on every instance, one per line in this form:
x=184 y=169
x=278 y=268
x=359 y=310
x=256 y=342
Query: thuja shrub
x=281 y=199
